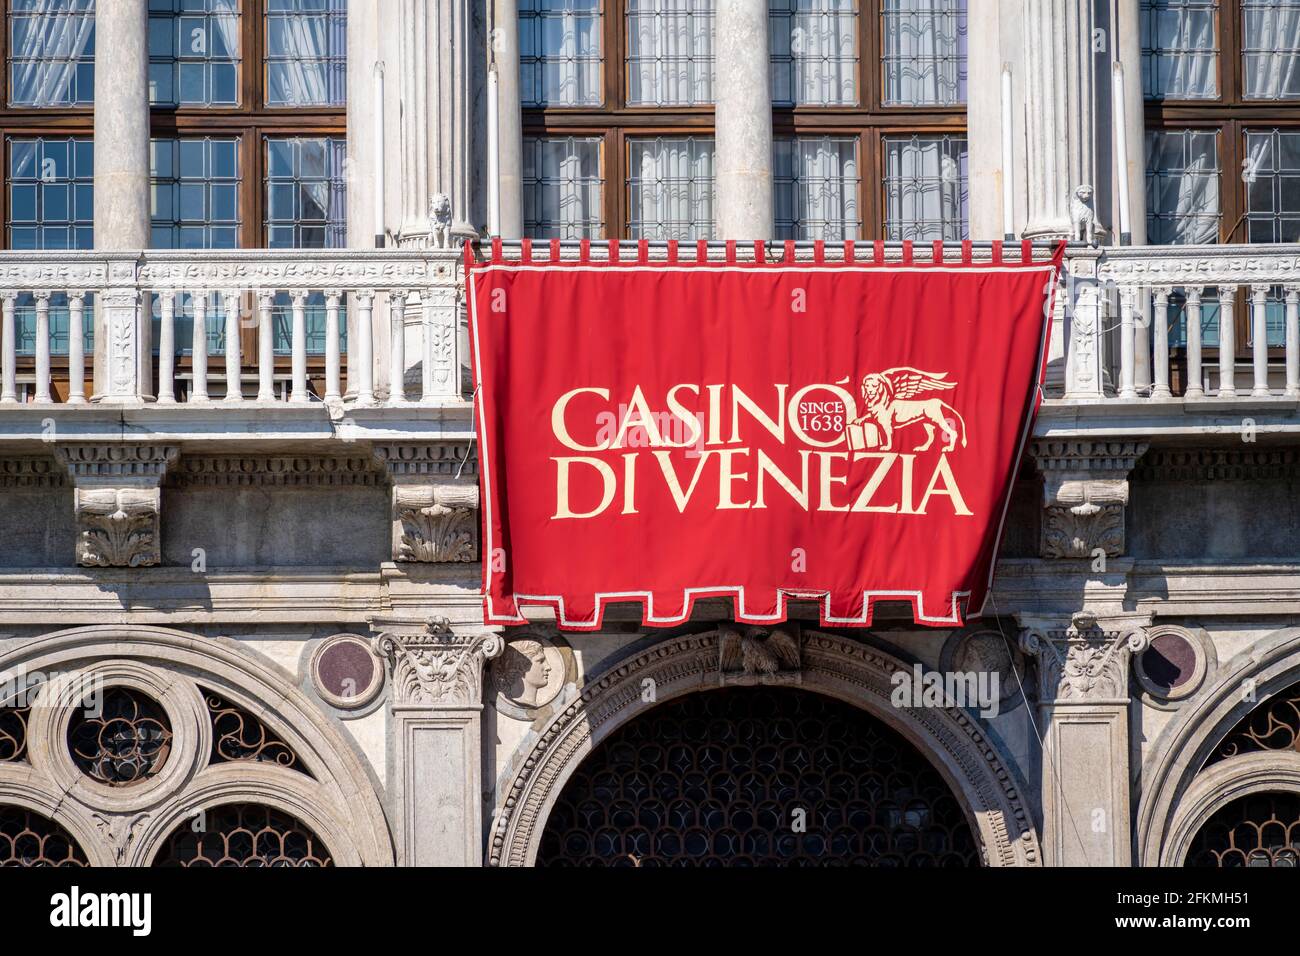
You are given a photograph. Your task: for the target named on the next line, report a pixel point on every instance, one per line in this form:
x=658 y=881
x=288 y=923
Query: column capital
x=433 y=665
x=435 y=501
x=1084 y=660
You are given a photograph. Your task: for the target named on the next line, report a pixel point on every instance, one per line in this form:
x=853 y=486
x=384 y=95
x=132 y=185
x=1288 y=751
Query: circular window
x=1261 y=830
x=29 y=839
x=243 y=835
x=120 y=737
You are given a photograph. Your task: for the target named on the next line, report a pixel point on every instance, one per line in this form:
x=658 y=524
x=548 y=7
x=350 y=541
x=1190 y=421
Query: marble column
x=743 y=91
x=433 y=83
x=1083 y=705
x=122 y=196
x=437 y=707
x=510 y=136
x=1061 y=107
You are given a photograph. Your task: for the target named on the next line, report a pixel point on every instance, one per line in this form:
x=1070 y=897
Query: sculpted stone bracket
x=435 y=504
x=117 y=501
x=1087 y=661
x=432 y=665
x=1085 y=491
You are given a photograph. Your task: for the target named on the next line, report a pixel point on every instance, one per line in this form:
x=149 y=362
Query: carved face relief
x=529 y=673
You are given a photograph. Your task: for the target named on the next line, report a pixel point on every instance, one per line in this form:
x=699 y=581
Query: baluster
x=333 y=362
x=364 y=354
x=1127 y=309
x=1293 y=341
x=1227 y=341
x=299 y=391
x=1259 y=338
x=234 y=360
x=1194 y=387
x=397 y=360
x=166 y=348
x=43 y=349
x=1160 y=307
x=265 y=347
x=76 y=348
x=199 y=347
x=9 y=348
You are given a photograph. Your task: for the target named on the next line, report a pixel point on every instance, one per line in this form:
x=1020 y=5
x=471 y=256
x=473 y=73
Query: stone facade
x=309 y=573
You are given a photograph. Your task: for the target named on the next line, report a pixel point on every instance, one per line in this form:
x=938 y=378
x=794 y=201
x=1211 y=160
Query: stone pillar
x=1061 y=90
x=437 y=707
x=1083 y=703
x=1128 y=50
x=432 y=80
x=744 y=120
x=122 y=195
x=510 y=136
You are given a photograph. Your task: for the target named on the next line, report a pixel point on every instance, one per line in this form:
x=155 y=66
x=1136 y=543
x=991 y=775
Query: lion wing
x=908 y=382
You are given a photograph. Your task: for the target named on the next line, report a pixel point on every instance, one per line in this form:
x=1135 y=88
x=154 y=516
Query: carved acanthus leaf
x=434 y=665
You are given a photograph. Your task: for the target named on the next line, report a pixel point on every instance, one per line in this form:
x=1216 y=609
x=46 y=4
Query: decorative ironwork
x=123 y=741
x=1273 y=725
x=29 y=839
x=238 y=735
x=1260 y=830
x=243 y=835
x=753 y=776
x=13 y=734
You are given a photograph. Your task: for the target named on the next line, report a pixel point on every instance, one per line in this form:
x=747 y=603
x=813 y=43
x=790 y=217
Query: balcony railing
x=215 y=316
x=1153 y=326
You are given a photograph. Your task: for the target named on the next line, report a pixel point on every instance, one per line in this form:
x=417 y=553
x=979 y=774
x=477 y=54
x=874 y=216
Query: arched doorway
x=756 y=776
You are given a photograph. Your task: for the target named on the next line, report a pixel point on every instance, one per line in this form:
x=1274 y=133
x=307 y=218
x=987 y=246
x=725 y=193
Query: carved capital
x=433 y=665
x=435 y=505
x=1085 y=491
x=1086 y=661
x=117 y=502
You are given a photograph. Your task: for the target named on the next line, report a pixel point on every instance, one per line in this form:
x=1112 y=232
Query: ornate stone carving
x=301 y=471
x=1086 y=661
x=432 y=665
x=117 y=502
x=1219 y=465
x=749 y=654
x=31 y=473
x=435 y=509
x=1085 y=491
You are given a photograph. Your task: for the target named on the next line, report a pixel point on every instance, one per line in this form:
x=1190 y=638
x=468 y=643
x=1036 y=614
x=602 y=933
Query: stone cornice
x=283 y=470
x=1087 y=456
x=428 y=459
x=1218 y=465
x=105 y=463
x=32 y=473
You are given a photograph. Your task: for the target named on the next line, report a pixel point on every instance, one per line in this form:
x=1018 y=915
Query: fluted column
x=510 y=136
x=1061 y=91
x=122 y=192
x=435 y=39
x=744 y=120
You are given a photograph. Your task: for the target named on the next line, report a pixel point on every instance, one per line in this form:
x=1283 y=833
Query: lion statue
x=891 y=403
x=440 y=221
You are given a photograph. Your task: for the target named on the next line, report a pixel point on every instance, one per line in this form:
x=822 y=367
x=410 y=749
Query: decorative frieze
x=294 y=471
x=31 y=473
x=432 y=664
x=1218 y=465
x=117 y=501
x=435 y=503
x=1085 y=492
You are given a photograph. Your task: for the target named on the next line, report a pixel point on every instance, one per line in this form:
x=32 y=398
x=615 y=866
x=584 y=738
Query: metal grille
x=243 y=835
x=13 y=733
x=1262 y=830
x=754 y=777
x=29 y=839
x=1272 y=725
x=238 y=735
x=123 y=741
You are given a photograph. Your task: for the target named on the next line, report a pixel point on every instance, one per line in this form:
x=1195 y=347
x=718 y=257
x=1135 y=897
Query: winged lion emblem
x=756 y=650
x=893 y=401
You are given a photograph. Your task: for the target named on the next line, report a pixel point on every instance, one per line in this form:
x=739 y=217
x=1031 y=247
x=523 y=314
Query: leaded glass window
x=816 y=187
x=814 y=52
x=1270 y=49
x=923 y=45
x=194 y=186
x=563 y=187
x=1182 y=187
x=194 y=52
x=51 y=193
x=1180 y=49
x=669 y=52
x=306 y=192
x=560 y=52
x=1272 y=178
x=306 y=52
x=51 y=53
x=925 y=188
x=671 y=187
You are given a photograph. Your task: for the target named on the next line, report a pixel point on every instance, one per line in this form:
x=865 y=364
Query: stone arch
x=835 y=666
x=1172 y=774
x=335 y=792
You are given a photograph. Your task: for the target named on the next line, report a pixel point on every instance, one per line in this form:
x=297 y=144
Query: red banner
x=659 y=433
